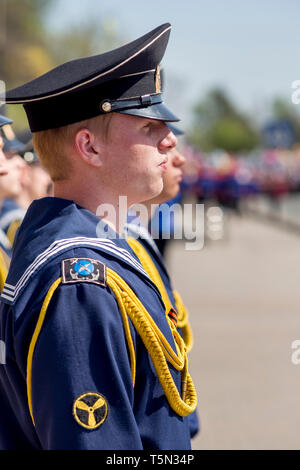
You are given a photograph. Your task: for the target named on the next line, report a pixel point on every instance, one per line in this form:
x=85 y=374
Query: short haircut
x=51 y=145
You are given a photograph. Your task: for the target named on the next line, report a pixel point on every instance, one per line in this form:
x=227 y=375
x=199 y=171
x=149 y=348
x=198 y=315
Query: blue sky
x=251 y=48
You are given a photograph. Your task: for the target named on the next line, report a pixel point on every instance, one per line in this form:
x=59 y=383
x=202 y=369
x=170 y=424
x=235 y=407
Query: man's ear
x=89 y=147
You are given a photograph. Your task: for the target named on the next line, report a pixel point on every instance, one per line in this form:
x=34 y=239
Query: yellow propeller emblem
x=90 y=410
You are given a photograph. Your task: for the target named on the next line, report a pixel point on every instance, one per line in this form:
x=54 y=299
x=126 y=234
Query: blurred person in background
x=160 y=225
x=146 y=249
x=5 y=246
x=11 y=213
x=36 y=182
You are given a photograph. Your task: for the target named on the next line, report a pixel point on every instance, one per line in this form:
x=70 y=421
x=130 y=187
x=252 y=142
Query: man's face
x=3 y=163
x=171 y=177
x=136 y=156
x=10 y=182
x=39 y=181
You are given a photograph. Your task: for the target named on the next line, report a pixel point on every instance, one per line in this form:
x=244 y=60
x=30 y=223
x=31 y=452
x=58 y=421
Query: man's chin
x=156 y=193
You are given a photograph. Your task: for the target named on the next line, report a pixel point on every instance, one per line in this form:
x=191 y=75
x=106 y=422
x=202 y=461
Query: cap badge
x=157 y=80
x=8 y=132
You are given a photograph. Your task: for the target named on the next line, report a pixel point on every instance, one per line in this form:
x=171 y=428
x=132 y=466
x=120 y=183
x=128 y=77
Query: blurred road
x=243 y=295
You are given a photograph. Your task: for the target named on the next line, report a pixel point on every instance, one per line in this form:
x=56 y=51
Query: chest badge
x=90 y=410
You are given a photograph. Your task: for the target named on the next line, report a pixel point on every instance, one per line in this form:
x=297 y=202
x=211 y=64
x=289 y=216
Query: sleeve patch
x=83 y=270
x=90 y=410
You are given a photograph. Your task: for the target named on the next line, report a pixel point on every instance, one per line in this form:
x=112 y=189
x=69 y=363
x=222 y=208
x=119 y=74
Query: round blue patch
x=84 y=267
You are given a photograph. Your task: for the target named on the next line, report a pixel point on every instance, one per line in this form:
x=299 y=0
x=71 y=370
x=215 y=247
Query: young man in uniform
x=36 y=182
x=92 y=361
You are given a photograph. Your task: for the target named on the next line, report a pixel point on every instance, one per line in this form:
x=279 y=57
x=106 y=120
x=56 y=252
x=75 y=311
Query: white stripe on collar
x=11 y=292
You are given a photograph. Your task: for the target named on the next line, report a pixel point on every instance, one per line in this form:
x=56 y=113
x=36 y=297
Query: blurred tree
x=28 y=48
x=283 y=109
x=23 y=54
x=219 y=125
x=88 y=37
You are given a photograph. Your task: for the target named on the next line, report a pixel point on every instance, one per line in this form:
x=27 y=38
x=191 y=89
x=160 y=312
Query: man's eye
x=147 y=128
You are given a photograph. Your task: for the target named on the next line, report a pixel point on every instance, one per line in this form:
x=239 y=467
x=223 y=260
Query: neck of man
x=2 y=199
x=111 y=208
x=24 y=200
x=144 y=211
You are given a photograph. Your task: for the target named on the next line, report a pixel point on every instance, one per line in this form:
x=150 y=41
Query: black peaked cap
x=125 y=80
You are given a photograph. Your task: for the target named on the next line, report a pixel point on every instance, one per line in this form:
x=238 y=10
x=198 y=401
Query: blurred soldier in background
x=5 y=246
x=151 y=258
x=162 y=223
x=26 y=181
x=36 y=182
x=11 y=213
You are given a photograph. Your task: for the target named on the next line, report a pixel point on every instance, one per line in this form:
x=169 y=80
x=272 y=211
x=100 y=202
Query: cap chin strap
x=107 y=106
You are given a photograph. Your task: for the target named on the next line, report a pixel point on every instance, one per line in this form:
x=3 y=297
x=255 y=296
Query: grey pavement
x=243 y=297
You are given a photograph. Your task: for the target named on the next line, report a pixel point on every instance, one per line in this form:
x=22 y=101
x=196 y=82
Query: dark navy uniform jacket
x=140 y=233
x=81 y=353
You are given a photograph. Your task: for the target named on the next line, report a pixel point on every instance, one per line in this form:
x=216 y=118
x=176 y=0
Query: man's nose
x=179 y=159
x=169 y=141
x=17 y=161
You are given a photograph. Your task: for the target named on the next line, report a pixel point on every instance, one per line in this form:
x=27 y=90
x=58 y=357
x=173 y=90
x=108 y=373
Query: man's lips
x=3 y=170
x=163 y=164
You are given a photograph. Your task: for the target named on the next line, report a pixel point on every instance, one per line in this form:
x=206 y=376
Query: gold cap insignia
x=157 y=80
x=106 y=106
x=90 y=410
x=8 y=132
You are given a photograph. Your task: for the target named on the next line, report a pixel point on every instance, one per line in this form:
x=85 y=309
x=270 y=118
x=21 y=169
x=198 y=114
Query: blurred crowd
x=24 y=181
x=227 y=178
x=219 y=177
x=222 y=181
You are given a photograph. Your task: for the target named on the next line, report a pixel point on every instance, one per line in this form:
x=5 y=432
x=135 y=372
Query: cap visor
x=175 y=130
x=156 y=111
x=4 y=120
x=13 y=145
